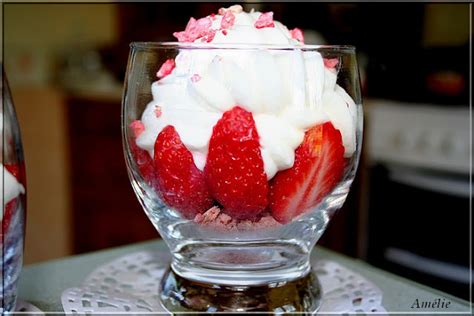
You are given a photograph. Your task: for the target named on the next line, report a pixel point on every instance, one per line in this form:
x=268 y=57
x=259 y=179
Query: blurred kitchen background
x=408 y=211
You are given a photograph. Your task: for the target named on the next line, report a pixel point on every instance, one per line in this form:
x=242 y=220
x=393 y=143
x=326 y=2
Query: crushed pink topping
x=228 y=20
x=158 y=111
x=195 y=29
x=265 y=20
x=330 y=62
x=236 y=8
x=224 y=32
x=195 y=78
x=208 y=36
x=297 y=34
x=137 y=128
x=166 y=68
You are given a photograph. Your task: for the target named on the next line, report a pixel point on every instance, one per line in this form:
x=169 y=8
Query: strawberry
x=180 y=183
x=14 y=169
x=234 y=168
x=10 y=207
x=141 y=156
x=144 y=162
x=9 y=210
x=319 y=165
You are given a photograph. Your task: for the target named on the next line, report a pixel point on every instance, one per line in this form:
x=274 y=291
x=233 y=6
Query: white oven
x=419 y=189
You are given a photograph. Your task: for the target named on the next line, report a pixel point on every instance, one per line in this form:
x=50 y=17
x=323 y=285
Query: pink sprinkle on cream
x=195 y=78
x=224 y=32
x=158 y=111
x=330 y=62
x=236 y=8
x=137 y=128
x=166 y=68
x=209 y=36
x=196 y=29
x=265 y=20
x=297 y=34
x=228 y=20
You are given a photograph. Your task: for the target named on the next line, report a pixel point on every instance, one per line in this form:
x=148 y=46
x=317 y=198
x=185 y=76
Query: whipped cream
x=9 y=187
x=287 y=91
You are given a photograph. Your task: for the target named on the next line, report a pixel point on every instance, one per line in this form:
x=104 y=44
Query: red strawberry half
x=10 y=207
x=8 y=215
x=234 y=168
x=180 y=183
x=141 y=156
x=319 y=165
x=144 y=162
x=14 y=169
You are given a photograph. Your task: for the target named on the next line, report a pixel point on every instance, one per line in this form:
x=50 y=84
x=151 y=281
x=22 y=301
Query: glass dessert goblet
x=240 y=155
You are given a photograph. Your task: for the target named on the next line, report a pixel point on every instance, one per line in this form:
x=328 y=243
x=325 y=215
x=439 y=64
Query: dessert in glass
x=241 y=142
x=12 y=187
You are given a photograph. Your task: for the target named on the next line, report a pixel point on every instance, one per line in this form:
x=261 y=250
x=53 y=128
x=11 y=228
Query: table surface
x=42 y=284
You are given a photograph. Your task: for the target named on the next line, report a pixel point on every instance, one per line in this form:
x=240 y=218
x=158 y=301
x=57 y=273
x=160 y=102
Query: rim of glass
x=183 y=45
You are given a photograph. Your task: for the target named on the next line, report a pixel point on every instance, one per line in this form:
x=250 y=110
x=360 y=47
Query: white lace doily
x=130 y=284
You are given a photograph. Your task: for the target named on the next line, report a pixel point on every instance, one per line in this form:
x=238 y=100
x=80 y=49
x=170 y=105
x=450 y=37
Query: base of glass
x=241 y=264
x=179 y=294
x=8 y=304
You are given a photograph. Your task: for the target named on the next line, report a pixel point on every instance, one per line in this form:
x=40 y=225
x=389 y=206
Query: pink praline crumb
x=208 y=216
x=195 y=78
x=228 y=20
x=268 y=222
x=158 y=111
x=137 y=128
x=166 y=68
x=215 y=219
x=330 y=62
x=264 y=222
x=297 y=34
x=236 y=8
x=196 y=29
x=208 y=36
x=265 y=20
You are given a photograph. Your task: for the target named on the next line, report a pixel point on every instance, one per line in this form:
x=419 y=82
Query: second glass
x=13 y=196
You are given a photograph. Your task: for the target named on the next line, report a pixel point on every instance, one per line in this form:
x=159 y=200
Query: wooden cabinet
x=106 y=212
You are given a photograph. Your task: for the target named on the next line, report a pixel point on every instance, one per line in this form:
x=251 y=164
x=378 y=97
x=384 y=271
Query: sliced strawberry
x=180 y=183
x=14 y=169
x=9 y=210
x=141 y=156
x=144 y=162
x=319 y=164
x=234 y=168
